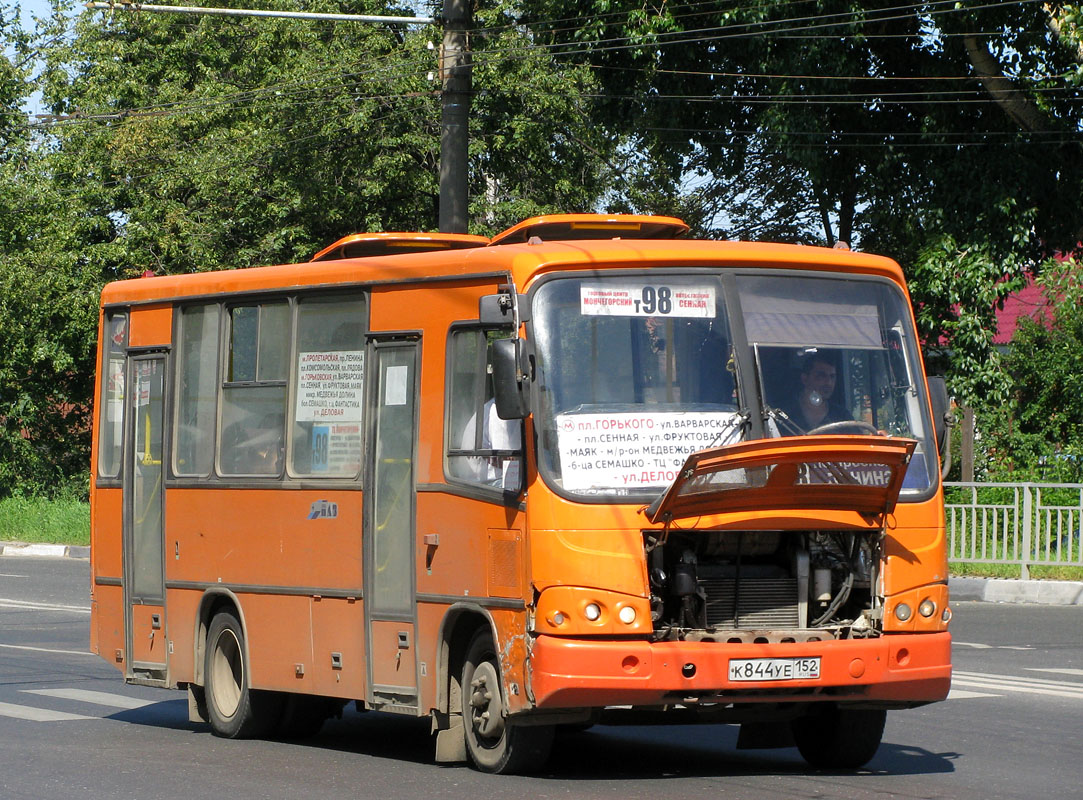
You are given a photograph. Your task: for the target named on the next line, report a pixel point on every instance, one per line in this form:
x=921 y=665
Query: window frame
x=481 y=370
x=224 y=358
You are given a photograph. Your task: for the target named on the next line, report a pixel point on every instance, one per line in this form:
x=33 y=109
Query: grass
x=40 y=521
x=1037 y=572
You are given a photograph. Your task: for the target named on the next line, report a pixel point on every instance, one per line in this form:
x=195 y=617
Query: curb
x=1005 y=590
x=19 y=549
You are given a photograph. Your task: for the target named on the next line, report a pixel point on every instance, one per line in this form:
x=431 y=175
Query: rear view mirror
x=504 y=310
x=511 y=379
x=941 y=406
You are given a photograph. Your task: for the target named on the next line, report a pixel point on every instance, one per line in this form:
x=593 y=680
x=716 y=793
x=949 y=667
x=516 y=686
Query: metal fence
x=1025 y=524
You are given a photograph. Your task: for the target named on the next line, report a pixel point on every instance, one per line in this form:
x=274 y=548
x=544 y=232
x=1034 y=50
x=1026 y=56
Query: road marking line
x=7 y=602
x=1005 y=683
x=1018 y=679
x=97 y=698
x=980 y=646
x=963 y=694
x=47 y=650
x=38 y=714
x=1060 y=671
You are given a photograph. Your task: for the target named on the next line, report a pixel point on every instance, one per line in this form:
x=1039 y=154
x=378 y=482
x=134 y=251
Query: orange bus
x=588 y=471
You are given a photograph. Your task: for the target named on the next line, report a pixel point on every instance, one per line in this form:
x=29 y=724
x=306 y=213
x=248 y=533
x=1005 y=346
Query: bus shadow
x=600 y=753
x=170 y=714
x=681 y=751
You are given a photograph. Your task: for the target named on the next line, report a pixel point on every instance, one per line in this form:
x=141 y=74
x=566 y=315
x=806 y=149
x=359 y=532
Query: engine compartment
x=764 y=586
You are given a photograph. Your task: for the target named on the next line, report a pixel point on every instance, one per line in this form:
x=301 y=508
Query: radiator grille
x=765 y=603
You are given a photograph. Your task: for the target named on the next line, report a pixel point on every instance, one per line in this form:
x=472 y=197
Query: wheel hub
x=486 y=708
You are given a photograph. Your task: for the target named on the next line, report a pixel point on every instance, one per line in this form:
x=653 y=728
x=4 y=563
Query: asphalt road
x=69 y=727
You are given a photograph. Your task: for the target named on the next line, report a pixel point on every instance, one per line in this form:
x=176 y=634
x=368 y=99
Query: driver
x=813 y=406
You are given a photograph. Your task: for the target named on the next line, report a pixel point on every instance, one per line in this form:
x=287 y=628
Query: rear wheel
x=234 y=710
x=837 y=738
x=494 y=744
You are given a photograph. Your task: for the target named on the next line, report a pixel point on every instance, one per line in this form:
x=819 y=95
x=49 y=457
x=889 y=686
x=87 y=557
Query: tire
x=492 y=743
x=234 y=710
x=839 y=738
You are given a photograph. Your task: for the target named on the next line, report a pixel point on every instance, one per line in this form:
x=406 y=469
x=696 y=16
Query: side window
x=325 y=437
x=482 y=448
x=254 y=390
x=197 y=390
x=111 y=424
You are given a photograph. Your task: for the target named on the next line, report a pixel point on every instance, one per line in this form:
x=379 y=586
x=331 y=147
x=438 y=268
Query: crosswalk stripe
x=1007 y=684
x=963 y=694
x=38 y=714
x=48 y=650
x=1018 y=680
x=1058 y=671
x=8 y=602
x=97 y=698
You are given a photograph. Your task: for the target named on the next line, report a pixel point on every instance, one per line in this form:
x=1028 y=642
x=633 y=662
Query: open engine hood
x=844 y=473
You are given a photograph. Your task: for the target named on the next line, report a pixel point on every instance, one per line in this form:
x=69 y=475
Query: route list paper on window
x=635 y=450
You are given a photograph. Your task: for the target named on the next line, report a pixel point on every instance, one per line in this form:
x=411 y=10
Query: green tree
x=1042 y=433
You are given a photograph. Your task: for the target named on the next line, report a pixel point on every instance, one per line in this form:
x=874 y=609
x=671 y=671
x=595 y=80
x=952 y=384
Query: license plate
x=774 y=669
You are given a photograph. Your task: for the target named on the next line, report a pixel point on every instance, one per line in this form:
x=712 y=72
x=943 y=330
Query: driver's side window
x=481 y=448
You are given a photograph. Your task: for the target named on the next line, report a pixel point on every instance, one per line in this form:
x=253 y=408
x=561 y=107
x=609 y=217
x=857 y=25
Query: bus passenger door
x=144 y=470
x=389 y=521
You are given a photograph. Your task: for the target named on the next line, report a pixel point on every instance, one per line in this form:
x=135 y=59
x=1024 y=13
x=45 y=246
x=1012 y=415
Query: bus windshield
x=637 y=372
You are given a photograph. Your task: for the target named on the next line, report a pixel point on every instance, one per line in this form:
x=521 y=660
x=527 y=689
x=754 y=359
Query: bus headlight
x=592 y=612
x=627 y=615
x=903 y=612
x=927 y=608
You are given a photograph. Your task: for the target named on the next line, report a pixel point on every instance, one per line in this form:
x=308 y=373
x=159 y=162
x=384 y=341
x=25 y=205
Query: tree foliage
x=1042 y=425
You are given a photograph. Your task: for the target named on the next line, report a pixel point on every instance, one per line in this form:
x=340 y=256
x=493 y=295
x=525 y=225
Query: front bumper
x=892 y=670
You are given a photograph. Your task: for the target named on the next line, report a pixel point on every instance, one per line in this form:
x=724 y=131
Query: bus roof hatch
x=361 y=245
x=569 y=227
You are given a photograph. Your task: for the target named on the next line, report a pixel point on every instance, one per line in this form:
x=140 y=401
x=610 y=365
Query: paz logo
x=323 y=509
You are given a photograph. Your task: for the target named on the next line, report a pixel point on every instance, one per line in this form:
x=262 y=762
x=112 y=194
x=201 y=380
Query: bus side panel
x=478 y=552
x=151 y=326
x=337 y=630
x=107 y=622
x=916 y=547
x=263 y=546
x=107 y=535
x=183 y=605
x=279 y=642
x=457 y=564
x=256 y=537
x=512 y=645
x=107 y=608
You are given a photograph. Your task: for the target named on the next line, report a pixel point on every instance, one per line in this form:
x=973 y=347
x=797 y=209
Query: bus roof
x=522 y=262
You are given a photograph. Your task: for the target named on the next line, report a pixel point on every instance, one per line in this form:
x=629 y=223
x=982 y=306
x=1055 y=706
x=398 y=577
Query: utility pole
x=456 y=74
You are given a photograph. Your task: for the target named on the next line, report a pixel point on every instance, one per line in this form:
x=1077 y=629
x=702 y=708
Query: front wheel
x=492 y=742
x=234 y=710
x=837 y=738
